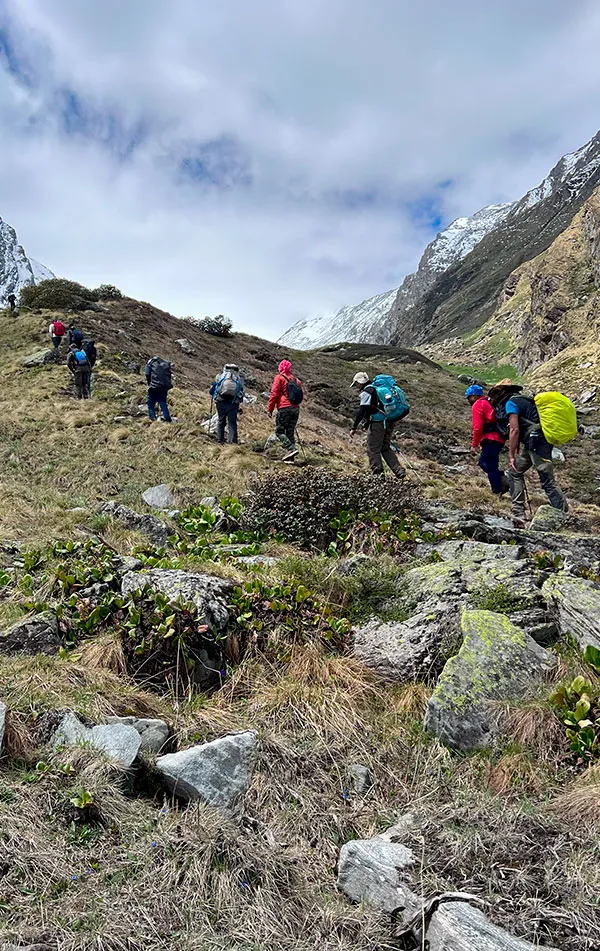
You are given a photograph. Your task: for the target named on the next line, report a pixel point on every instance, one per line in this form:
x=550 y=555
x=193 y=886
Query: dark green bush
x=107 y=292
x=301 y=505
x=218 y=326
x=57 y=294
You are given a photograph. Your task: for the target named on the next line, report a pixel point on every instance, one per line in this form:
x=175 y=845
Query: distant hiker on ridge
x=158 y=375
x=487 y=438
x=12 y=302
x=527 y=447
x=382 y=405
x=286 y=396
x=79 y=365
x=227 y=391
x=57 y=332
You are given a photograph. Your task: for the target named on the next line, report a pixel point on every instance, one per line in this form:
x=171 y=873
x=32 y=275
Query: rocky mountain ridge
x=17 y=270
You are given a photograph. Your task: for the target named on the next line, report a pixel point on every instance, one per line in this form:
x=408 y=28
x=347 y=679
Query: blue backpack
x=392 y=402
x=81 y=357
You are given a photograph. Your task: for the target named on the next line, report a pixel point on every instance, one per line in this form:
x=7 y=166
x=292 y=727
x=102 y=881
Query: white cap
x=360 y=379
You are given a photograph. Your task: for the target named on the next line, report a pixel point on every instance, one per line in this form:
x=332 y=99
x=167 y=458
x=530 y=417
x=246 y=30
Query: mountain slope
x=465 y=294
x=16 y=269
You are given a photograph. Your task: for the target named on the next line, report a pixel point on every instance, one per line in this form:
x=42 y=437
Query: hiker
x=74 y=336
x=89 y=346
x=79 y=365
x=12 y=302
x=158 y=375
x=227 y=390
x=527 y=447
x=381 y=429
x=57 y=332
x=487 y=438
x=286 y=396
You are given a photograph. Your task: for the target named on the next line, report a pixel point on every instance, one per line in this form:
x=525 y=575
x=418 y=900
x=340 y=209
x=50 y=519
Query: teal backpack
x=391 y=399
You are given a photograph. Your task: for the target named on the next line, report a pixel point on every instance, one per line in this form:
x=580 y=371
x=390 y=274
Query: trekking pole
x=406 y=462
x=301 y=445
x=527 y=499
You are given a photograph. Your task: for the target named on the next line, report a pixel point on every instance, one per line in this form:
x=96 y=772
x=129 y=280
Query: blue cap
x=474 y=390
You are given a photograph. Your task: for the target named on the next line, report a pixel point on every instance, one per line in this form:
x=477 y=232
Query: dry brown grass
x=580 y=802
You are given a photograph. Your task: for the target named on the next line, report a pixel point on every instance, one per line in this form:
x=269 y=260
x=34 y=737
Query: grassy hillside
x=96 y=858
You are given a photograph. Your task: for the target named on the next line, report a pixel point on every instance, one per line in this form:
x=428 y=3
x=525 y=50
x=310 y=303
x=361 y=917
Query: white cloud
x=337 y=117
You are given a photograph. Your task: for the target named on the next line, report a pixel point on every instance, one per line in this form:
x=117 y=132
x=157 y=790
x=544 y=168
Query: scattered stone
x=149 y=525
x=586 y=410
x=38 y=359
x=127 y=563
x=370 y=870
x=461 y=550
x=159 y=497
x=210 y=425
x=404 y=825
x=119 y=742
x=497 y=661
x=592 y=432
x=401 y=650
x=218 y=773
x=361 y=778
x=576 y=602
x=271 y=443
x=349 y=566
x=208 y=594
x=38 y=634
x=588 y=395
x=154 y=734
x=3 y=712
x=185 y=345
x=458 y=451
x=262 y=561
x=548 y=519
x=458 y=926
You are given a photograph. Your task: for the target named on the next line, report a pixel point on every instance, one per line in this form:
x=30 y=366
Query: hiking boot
x=519 y=522
x=290 y=456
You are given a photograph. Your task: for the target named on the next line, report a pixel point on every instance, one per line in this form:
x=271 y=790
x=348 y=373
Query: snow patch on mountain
x=16 y=269
x=460 y=237
x=352 y=323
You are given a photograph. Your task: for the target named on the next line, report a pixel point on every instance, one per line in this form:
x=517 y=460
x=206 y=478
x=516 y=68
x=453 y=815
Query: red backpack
x=58 y=328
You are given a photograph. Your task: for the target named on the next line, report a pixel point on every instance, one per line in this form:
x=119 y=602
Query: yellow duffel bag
x=558 y=417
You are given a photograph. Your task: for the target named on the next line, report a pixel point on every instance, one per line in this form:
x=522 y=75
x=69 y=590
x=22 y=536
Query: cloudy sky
x=276 y=159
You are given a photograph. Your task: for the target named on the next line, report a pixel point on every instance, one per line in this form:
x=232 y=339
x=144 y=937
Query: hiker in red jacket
x=487 y=438
x=286 y=396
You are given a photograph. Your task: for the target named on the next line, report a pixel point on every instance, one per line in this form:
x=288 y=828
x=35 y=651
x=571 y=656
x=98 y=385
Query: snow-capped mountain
x=349 y=323
x=16 y=269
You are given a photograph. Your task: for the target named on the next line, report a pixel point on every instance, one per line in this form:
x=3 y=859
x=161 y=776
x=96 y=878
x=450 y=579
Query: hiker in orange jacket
x=286 y=396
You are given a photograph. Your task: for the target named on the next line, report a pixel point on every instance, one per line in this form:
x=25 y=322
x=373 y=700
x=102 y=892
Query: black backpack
x=90 y=348
x=295 y=393
x=160 y=374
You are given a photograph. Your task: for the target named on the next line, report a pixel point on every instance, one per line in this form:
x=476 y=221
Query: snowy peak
x=361 y=322
x=16 y=269
x=573 y=171
x=460 y=237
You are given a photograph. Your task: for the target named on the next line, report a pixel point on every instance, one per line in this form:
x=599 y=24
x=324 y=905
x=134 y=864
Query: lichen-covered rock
x=514 y=575
x=403 y=650
x=149 y=525
x=258 y=561
x=440 y=579
x=208 y=594
x=119 y=742
x=576 y=602
x=370 y=870
x=549 y=519
x=218 y=773
x=38 y=359
x=460 y=550
x=457 y=926
x=497 y=661
x=154 y=734
x=159 y=497
x=38 y=634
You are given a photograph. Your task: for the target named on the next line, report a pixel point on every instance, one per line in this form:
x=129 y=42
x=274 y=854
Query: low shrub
x=218 y=326
x=498 y=598
x=301 y=506
x=107 y=292
x=57 y=294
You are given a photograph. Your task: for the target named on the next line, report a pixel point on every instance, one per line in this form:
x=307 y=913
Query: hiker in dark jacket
x=487 y=438
x=12 y=302
x=227 y=391
x=79 y=365
x=379 y=449
x=527 y=447
x=74 y=336
x=89 y=346
x=158 y=376
x=286 y=396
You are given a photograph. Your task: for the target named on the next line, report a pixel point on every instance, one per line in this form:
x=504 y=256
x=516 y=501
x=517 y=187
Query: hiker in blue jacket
x=227 y=391
x=79 y=365
x=381 y=430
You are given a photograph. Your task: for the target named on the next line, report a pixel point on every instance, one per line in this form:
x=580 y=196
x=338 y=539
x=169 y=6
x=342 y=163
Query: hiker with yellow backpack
x=534 y=426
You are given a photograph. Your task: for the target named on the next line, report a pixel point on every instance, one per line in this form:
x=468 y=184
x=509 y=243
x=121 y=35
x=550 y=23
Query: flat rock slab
x=460 y=551
x=457 y=926
x=154 y=734
x=159 y=497
x=38 y=634
x=402 y=650
x=208 y=594
x=497 y=661
x=437 y=580
x=370 y=870
x=576 y=602
x=38 y=359
x=218 y=773
x=261 y=561
x=119 y=742
x=149 y=525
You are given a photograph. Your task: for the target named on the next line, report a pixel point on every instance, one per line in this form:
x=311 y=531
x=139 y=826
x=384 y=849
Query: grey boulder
x=209 y=595
x=549 y=519
x=457 y=926
x=184 y=344
x=38 y=634
x=402 y=650
x=154 y=734
x=217 y=773
x=370 y=870
x=149 y=525
x=119 y=742
x=576 y=603
x=159 y=497
x=38 y=359
x=496 y=662
x=261 y=561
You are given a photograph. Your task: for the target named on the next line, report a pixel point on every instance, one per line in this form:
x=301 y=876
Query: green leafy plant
x=592 y=657
x=547 y=560
x=83 y=799
x=577 y=705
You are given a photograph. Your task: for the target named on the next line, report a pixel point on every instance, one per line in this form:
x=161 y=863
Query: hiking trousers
x=228 y=413
x=285 y=426
x=379 y=449
x=545 y=470
x=158 y=394
x=489 y=461
x=82 y=384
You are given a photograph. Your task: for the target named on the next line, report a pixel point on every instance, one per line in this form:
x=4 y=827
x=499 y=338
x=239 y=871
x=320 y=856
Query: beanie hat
x=285 y=366
x=474 y=390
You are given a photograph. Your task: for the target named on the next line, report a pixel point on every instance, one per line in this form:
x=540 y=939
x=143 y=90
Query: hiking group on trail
x=533 y=427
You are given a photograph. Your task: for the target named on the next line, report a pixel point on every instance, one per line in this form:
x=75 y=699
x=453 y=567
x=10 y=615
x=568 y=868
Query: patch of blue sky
x=13 y=60
x=79 y=118
x=218 y=163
